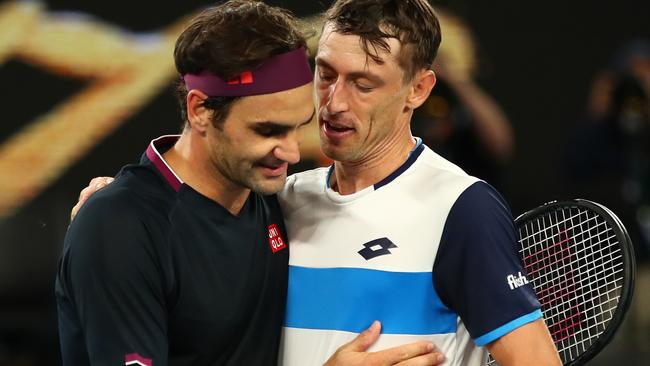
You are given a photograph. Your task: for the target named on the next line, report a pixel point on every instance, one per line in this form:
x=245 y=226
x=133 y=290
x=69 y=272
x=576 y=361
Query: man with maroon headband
x=183 y=259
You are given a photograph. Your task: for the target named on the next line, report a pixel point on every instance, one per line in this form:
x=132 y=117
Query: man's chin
x=268 y=186
x=336 y=153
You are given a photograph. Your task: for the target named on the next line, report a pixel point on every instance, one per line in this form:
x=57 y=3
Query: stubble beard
x=264 y=186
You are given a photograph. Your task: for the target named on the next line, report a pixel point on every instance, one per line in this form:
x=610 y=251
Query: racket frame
x=629 y=266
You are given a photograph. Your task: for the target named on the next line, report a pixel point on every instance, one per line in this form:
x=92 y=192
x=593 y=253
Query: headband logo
x=282 y=72
x=245 y=77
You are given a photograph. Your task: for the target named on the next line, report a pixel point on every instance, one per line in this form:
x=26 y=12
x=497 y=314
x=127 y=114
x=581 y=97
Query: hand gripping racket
x=579 y=259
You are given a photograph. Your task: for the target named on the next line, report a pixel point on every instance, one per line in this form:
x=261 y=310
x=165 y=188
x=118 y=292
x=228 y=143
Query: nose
x=289 y=149
x=337 y=101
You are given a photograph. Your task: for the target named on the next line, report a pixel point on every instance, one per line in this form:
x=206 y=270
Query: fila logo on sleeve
x=276 y=241
x=516 y=281
x=137 y=360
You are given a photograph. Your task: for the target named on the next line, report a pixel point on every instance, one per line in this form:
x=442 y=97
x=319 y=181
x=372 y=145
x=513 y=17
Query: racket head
x=579 y=258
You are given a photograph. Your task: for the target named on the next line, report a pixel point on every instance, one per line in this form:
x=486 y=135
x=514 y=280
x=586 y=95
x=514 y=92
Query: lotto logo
x=376 y=248
x=276 y=241
x=136 y=359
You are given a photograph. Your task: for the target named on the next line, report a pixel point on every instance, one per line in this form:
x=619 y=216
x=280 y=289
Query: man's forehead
x=288 y=106
x=333 y=43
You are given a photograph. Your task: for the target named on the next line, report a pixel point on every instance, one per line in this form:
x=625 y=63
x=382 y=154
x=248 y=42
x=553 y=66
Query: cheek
x=228 y=148
x=242 y=142
x=256 y=150
x=381 y=118
x=390 y=107
x=366 y=111
x=322 y=89
x=323 y=96
x=235 y=136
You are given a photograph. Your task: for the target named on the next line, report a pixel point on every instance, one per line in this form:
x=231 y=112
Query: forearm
x=530 y=344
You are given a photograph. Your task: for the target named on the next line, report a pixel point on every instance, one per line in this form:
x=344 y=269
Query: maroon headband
x=283 y=72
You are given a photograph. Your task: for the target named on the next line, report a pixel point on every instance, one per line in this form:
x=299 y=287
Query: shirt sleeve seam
x=507 y=328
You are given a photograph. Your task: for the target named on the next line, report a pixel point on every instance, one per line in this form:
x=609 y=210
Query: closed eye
x=268 y=129
x=326 y=77
x=364 y=89
x=273 y=129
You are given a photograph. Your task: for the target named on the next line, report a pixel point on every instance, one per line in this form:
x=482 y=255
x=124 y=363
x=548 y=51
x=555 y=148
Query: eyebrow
x=282 y=126
x=355 y=74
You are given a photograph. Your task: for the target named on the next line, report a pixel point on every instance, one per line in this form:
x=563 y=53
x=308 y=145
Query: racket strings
x=558 y=311
x=573 y=260
x=566 y=261
x=569 y=271
x=557 y=223
x=579 y=295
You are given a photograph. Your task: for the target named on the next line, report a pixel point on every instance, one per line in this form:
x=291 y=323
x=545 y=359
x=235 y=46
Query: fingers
x=420 y=353
x=429 y=359
x=99 y=182
x=75 y=210
x=95 y=185
x=364 y=340
x=407 y=352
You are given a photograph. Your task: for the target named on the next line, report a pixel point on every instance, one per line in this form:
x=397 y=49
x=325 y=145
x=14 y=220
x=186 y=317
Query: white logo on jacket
x=516 y=281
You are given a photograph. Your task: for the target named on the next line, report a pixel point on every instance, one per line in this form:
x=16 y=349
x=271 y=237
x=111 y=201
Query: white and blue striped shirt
x=427 y=251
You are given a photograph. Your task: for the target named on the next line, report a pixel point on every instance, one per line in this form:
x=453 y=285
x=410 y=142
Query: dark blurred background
x=86 y=85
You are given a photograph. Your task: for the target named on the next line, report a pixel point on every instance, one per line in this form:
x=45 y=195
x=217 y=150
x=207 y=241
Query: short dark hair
x=412 y=22
x=229 y=39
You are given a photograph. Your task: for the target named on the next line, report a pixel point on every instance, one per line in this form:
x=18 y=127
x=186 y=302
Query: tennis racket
x=579 y=259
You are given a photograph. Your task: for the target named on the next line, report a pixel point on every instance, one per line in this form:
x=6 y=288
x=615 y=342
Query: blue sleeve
x=477 y=271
